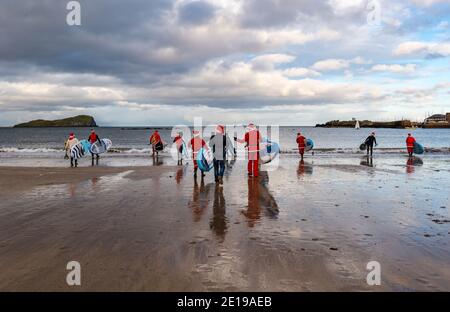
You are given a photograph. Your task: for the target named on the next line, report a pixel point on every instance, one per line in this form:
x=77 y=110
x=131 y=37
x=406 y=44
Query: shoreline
x=143 y=160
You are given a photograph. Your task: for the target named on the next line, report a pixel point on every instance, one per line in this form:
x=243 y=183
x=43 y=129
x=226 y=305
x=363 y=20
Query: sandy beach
x=307 y=226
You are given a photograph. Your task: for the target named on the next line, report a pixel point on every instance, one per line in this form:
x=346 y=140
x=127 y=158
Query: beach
x=306 y=226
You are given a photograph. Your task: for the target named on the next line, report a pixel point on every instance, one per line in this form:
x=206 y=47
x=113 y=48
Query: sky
x=271 y=62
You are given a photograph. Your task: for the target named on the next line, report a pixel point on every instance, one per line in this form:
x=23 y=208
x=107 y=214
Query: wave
x=441 y=150
x=128 y=151
x=30 y=150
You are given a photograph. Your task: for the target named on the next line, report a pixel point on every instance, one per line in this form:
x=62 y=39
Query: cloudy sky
x=164 y=62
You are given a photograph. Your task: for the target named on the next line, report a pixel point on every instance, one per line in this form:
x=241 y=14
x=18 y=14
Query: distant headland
x=400 y=124
x=434 y=121
x=77 y=121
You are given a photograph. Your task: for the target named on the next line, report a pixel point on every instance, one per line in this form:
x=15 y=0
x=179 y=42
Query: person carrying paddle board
x=93 y=137
x=301 y=142
x=178 y=140
x=370 y=142
x=410 y=140
x=220 y=145
x=156 y=142
x=196 y=143
x=252 y=139
x=71 y=142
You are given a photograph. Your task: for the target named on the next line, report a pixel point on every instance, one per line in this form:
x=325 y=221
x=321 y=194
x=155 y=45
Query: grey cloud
x=306 y=14
x=111 y=40
x=196 y=12
x=133 y=40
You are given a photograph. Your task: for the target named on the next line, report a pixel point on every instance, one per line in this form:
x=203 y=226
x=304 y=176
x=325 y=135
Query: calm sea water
x=136 y=140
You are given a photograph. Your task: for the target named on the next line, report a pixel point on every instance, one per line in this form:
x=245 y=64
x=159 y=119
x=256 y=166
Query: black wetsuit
x=370 y=141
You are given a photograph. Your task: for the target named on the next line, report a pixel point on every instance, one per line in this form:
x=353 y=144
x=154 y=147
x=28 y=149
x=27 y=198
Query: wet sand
x=308 y=226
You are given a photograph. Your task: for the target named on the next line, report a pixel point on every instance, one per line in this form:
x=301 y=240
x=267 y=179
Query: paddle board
x=101 y=146
x=268 y=150
x=159 y=146
x=186 y=153
x=182 y=148
x=81 y=149
x=309 y=145
x=205 y=159
x=363 y=147
x=418 y=148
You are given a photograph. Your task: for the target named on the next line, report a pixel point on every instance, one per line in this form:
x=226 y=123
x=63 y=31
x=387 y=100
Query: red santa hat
x=220 y=129
x=251 y=127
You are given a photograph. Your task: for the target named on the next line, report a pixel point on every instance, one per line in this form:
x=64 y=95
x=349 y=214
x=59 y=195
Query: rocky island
x=77 y=121
x=399 y=124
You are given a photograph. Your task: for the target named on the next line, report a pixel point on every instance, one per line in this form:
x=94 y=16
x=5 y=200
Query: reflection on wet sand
x=200 y=199
x=229 y=168
x=72 y=187
x=259 y=197
x=157 y=161
x=219 y=220
x=413 y=162
x=180 y=173
x=94 y=182
x=367 y=161
x=303 y=169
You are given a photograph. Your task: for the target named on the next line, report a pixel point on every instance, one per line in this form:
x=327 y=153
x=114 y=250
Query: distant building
x=438 y=118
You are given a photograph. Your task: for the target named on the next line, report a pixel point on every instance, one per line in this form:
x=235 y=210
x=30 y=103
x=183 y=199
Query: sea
x=28 y=146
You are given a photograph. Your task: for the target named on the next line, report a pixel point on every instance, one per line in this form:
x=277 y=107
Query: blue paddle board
x=101 y=146
x=309 y=145
x=81 y=149
x=418 y=148
x=268 y=151
x=205 y=160
x=184 y=149
x=181 y=148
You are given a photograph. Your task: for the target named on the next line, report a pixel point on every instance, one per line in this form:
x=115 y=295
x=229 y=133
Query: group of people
x=371 y=141
x=72 y=141
x=221 y=146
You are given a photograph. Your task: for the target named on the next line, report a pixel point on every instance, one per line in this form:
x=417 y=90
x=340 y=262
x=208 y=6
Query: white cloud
x=268 y=61
x=343 y=7
x=330 y=65
x=429 y=2
x=337 y=64
x=416 y=47
x=395 y=68
x=443 y=25
x=300 y=72
x=241 y=81
x=233 y=83
x=360 y=61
